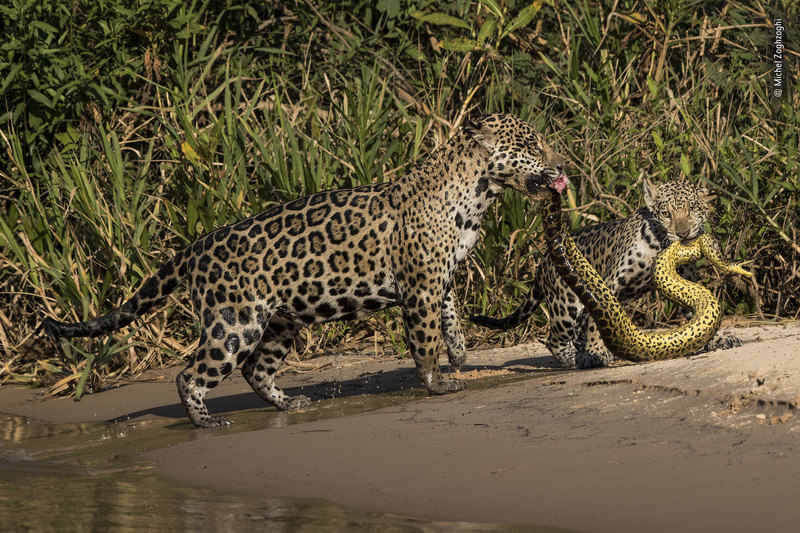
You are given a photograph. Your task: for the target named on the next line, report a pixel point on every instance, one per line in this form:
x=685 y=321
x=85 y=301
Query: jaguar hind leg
x=260 y=368
x=560 y=341
x=227 y=339
x=721 y=342
x=564 y=337
x=192 y=396
x=213 y=362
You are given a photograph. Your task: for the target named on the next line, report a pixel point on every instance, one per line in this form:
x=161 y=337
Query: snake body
x=619 y=334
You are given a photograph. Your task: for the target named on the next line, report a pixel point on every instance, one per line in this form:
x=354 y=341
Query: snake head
x=738 y=268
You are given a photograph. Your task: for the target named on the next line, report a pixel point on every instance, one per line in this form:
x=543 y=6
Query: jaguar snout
x=536 y=185
x=536 y=182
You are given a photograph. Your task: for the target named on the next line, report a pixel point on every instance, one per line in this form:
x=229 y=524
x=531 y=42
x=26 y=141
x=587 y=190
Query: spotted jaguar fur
x=623 y=252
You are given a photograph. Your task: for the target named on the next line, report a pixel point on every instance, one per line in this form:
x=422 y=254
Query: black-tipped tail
x=519 y=316
x=55 y=329
x=105 y=324
x=507 y=322
x=154 y=291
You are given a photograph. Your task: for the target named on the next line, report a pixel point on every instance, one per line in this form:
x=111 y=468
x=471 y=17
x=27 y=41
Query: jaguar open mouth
x=537 y=185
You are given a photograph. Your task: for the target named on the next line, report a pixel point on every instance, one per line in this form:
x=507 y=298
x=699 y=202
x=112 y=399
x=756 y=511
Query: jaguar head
x=518 y=155
x=682 y=208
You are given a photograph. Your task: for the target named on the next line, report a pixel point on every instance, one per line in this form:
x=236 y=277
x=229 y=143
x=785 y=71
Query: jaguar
x=340 y=255
x=623 y=252
x=621 y=336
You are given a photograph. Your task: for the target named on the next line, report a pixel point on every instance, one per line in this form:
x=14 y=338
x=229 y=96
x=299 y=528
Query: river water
x=89 y=477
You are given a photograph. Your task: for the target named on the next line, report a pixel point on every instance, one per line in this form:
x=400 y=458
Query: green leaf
x=11 y=75
x=652 y=86
x=487 y=29
x=459 y=45
x=390 y=7
x=493 y=7
x=685 y=167
x=440 y=19
x=39 y=97
x=18 y=252
x=87 y=371
x=50 y=367
x=415 y=53
x=592 y=74
x=69 y=138
x=44 y=26
x=191 y=217
x=524 y=18
x=658 y=140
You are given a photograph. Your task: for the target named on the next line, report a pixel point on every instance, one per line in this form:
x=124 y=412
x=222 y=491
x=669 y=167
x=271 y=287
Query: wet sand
x=706 y=443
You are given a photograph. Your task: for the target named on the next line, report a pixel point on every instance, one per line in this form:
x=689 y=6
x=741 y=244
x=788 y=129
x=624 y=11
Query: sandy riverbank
x=706 y=443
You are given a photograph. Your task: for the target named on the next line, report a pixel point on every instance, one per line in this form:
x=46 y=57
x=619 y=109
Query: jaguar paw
x=297 y=402
x=446 y=386
x=590 y=360
x=214 y=422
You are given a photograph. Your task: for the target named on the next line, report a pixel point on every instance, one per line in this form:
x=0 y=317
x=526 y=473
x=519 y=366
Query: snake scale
x=619 y=334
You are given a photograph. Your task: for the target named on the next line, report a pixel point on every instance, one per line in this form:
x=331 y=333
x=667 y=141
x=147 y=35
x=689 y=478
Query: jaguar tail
x=519 y=316
x=154 y=292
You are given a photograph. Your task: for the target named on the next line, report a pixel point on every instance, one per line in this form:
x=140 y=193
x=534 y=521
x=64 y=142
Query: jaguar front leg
x=422 y=317
x=591 y=352
x=451 y=329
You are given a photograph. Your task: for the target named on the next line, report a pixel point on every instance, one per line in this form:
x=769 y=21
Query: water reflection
x=48 y=498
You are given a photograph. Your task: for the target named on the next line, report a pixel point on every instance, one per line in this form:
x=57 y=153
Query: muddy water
x=86 y=477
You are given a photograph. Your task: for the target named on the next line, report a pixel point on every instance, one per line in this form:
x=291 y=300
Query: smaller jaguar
x=623 y=252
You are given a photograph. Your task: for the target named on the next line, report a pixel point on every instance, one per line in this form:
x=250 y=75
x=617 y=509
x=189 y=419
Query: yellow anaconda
x=619 y=334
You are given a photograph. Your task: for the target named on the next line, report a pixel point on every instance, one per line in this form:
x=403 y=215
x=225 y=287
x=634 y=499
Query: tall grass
x=132 y=128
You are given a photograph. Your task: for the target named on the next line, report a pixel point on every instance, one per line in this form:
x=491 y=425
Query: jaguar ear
x=471 y=125
x=650 y=192
x=478 y=130
x=707 y=195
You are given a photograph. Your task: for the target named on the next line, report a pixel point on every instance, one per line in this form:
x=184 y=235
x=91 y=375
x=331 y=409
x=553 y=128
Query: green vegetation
x=128 y=128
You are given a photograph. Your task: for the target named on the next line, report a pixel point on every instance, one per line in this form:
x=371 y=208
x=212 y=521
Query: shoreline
x=699 y=443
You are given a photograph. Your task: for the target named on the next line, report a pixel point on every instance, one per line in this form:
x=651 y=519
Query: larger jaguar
x=623 y=252
x=340 y=255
